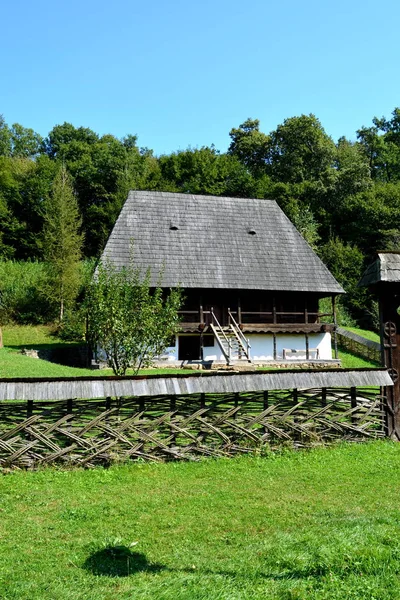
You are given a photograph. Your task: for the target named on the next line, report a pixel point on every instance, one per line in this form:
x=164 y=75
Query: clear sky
x=182 y=73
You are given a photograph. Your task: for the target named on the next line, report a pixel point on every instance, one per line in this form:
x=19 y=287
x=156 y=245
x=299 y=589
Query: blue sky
x=183 y=73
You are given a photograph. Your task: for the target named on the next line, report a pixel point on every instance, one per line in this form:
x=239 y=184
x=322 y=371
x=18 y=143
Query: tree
x=250 y=146
x=205 y=171
x=301 y=151
x=62 y=242
x=130 y=322
x=305 y=223
x=346 y=263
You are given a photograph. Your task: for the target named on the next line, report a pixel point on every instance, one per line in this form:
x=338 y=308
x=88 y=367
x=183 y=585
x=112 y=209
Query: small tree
x=128 y=320
x=62 y=242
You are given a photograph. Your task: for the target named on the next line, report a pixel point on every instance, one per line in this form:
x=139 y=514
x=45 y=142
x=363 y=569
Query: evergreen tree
x=62 y=242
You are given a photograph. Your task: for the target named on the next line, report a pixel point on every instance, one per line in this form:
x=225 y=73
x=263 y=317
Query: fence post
x=323 y=397
x=265 y=405
x=353 y=397
x=237 y=396
x=172 y=407
x=29 y=409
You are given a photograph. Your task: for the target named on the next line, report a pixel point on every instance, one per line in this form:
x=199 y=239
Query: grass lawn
x=350 y=361
x=369 y=335
x=14 y=364
x=322 y=524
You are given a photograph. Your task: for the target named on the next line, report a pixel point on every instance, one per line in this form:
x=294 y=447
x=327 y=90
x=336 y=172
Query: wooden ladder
x=230 y=339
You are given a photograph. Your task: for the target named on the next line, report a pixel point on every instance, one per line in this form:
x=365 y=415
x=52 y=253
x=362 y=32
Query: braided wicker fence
x=90 y=432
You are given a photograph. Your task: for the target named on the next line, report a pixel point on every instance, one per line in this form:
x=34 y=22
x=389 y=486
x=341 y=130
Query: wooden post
x=295 y=395
x=201 y=311
x=390 y=344
x=274 y=342
x=29 y=409
x=265 y=399
x=323 y=398
x=69 y=406
x=237 y=397
x=239 y=315
x=172 y=409
x=334 y=327
x=29 y=412
x=266 y=404
x=202 y=400
x=307 y=348
x=273 y=309
x=353 y=399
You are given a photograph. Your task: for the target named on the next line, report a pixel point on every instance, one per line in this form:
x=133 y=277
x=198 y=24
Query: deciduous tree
x=130 y=322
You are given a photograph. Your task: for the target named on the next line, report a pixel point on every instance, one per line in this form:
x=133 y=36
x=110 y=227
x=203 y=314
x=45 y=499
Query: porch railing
x=243 y=317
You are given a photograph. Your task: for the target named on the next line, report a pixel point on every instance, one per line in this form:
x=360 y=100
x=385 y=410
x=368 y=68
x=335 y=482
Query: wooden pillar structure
x=389 y=302
x=383 y=279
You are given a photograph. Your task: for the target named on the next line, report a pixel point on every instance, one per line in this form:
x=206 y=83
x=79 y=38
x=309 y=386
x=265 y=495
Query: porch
x=223 y=325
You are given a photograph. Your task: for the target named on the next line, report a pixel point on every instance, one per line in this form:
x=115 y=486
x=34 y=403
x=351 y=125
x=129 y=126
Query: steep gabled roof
x=386 y=268
x=214 y=242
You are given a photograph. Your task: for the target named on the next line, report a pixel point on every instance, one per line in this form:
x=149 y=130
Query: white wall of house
x=262 y=347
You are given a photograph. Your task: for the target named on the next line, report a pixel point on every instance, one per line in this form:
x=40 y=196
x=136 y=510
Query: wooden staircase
x=233 y=344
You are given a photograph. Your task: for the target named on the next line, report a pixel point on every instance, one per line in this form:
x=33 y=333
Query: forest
x=343 y=197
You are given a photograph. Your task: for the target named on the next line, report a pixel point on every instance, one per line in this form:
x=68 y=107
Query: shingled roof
x=216 y=242
x=386 y=268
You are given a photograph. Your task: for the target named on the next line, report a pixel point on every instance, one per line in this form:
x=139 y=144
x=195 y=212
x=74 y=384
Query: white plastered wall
x=262 y=347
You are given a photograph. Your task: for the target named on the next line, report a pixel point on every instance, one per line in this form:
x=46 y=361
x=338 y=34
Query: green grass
x=319 y=525
x=15 y=364
x=369 y=335
x=351 y=361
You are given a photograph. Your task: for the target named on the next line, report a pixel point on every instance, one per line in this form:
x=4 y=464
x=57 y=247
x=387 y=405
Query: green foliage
x=62 y=243
x=301 y=151
x=313 y=525
x=22 y=289
x=128 y=320
x=305 y=222
x=18 y=141
x=250 y=146
x=346 y=263
x=205 y=171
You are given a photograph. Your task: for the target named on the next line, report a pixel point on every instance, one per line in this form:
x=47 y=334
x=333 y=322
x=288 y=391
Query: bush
x=23 y=299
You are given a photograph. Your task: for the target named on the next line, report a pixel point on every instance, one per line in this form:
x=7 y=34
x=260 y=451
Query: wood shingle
x=216 y=242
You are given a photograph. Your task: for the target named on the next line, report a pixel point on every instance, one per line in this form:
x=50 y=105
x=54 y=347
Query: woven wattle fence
x=90 y=432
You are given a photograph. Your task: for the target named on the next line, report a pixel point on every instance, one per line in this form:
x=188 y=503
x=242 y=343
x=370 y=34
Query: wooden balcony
x=260 y=321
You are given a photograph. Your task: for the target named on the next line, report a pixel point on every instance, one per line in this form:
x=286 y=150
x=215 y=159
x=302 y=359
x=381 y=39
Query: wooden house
x=252 y=284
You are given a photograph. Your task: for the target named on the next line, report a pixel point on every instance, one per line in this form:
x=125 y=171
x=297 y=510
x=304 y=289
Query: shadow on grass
x=71 y=354
x=119 y=561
